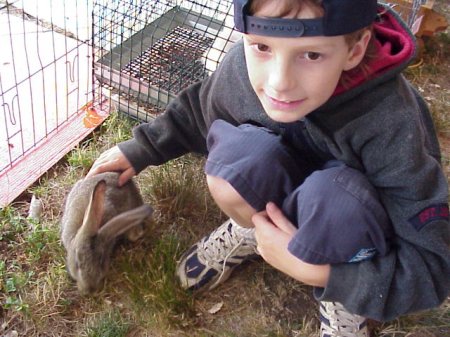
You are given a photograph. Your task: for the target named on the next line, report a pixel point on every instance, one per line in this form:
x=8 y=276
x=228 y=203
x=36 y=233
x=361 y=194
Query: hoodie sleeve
x=179 y=130
x=401 y=158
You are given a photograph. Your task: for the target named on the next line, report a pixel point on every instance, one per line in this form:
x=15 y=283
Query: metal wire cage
x=45 y=81
x=148 y=51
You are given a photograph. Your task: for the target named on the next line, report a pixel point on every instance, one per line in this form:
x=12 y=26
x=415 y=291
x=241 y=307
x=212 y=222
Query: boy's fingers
x=279 y=219
x=261 y=219
x=100 y=167
x=126 y=175
x=263 y=228
x=113 y=160
x=93 y=171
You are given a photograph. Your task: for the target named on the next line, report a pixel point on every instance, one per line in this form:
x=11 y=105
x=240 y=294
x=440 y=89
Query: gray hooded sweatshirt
x=380 y=126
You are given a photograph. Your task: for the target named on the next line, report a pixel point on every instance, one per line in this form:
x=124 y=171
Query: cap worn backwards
x=340 y=17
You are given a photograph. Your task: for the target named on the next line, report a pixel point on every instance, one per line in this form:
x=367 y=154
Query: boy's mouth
x=283 y=104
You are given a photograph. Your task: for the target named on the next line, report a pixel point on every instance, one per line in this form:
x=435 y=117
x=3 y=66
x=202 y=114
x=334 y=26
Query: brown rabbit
x=96 y=213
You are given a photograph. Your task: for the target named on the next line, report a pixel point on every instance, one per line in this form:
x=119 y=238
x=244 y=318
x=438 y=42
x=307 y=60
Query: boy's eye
x=262 y=47
x=312 y=56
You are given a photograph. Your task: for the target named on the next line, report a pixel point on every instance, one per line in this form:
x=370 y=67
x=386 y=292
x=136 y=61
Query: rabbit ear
x=95 y=209
x=124 y=221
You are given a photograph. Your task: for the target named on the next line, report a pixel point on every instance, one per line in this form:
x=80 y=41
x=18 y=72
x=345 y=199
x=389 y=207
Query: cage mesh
x=148 y=51
x=173 y=62
x=45 y=87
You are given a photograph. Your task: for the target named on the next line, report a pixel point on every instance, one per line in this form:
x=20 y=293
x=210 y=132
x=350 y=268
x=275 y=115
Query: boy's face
x=294 y=76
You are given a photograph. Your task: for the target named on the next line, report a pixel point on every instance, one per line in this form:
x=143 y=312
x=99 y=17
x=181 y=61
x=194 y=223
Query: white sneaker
x=336 y=321
x=210 y=261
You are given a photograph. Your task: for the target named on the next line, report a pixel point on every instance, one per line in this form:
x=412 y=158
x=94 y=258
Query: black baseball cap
x=340 y=17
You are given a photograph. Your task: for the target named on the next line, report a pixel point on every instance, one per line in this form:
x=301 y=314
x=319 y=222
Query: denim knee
x=339 y=218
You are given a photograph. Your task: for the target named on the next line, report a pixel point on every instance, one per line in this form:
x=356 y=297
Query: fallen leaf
x=215 y=308
x=92 y=118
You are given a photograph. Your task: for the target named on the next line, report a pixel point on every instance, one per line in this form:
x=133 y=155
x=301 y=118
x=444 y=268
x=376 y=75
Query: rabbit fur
x=96 y=213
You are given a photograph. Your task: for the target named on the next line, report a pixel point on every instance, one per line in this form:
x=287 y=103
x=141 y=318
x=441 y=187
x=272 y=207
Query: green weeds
x=25 y=247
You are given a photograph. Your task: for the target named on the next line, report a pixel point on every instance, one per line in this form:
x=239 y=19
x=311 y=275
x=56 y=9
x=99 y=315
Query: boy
x=316 y=140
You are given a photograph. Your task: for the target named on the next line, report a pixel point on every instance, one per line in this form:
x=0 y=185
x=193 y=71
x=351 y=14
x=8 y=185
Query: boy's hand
x=113 y=160
x=273 y=232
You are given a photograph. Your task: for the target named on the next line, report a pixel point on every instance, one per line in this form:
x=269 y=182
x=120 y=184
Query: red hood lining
x=394 y=46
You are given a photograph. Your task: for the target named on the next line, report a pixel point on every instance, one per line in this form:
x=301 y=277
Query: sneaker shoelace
x=342 y=323
x=221 y=245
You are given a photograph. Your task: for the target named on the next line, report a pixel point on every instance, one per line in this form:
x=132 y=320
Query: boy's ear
x=357 y=52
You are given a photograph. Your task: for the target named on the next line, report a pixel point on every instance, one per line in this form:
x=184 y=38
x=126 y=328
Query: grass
x=431 y=78
x=110 y=324
x=149 y=281
x=141 y=296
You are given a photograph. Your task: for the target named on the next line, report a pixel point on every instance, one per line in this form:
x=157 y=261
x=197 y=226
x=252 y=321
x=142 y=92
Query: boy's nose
x=281 y=77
